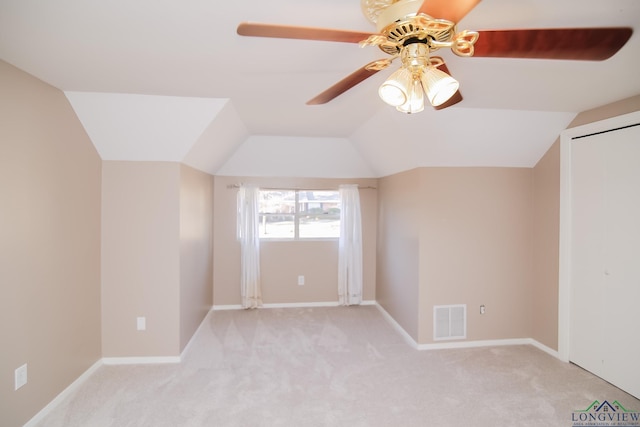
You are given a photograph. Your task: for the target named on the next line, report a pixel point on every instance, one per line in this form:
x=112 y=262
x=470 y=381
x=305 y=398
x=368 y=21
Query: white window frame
x=296 y=218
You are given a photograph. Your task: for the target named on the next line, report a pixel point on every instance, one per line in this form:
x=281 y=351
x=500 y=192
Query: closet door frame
x=566 y=218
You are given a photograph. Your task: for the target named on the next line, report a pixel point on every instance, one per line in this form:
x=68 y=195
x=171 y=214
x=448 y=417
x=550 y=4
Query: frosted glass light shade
x=395 y=90
x=415 y=100
x=439 y=86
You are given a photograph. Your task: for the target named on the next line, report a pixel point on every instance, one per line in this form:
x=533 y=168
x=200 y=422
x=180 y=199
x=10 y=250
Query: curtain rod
x=360 y=187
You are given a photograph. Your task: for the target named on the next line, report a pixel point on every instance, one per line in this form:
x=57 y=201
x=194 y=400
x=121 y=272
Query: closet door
x=587 y=249
x=622 y=260
x=605 y=288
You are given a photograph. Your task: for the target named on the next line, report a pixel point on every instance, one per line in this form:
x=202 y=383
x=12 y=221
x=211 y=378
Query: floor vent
x=449 y=322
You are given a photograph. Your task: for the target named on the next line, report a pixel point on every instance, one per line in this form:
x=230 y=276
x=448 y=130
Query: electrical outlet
x=482 y=309
x=21 y=376
x=300 y=280
x=141 y=323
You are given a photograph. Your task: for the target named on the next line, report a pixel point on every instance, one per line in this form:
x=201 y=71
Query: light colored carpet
x=342 y=366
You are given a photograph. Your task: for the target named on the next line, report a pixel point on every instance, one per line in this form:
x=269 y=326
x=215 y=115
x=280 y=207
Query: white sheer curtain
x=249 y=246
x=350 y=248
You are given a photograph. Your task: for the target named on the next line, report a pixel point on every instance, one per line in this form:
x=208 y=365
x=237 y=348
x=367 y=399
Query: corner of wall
x=196 y=250
x=140 y=258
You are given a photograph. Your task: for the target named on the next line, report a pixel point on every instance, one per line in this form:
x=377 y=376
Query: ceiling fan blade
x=303 y=33
x=451 y=10
x=457 y=97
x=343 y=85
x=590 y=44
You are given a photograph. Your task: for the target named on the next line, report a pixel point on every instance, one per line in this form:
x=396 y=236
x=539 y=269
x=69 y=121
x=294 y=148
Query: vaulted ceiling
x=172 y=80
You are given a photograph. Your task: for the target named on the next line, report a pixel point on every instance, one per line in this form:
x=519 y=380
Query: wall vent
x=449 y=322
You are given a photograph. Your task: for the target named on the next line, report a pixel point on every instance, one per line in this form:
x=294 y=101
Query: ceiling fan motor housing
x=418 y=29
x=402 y=25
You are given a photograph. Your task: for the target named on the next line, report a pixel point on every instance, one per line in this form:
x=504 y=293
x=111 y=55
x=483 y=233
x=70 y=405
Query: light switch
x=142 y=323
x=21 y=376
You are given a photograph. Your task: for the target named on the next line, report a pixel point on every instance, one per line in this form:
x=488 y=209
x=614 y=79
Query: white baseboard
x=140 y=360
x=188 y=346
x=301 y=304
x=226 y=307
x=476 y=343
x=290 y=305
x=491 y=343
x=546 y=349
x=63 y=394
x=408 y=338
x=464 y=344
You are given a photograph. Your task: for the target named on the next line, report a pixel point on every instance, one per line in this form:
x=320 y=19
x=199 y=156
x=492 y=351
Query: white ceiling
x=171 y=80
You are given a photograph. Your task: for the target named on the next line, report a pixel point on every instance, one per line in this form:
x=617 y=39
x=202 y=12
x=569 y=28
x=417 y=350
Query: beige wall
x=546 y=228
x=140 y=258
x=628 y=105
x=49 y=245
x=457 y=236
x=157 y=256
x=476 y=248
x=398 y=268
x=282 y=262
x=196 y=250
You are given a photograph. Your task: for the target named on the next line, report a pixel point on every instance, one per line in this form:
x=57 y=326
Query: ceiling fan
x=412 y=29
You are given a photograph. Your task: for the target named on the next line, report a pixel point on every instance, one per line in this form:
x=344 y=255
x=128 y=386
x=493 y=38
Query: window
x=299 y=214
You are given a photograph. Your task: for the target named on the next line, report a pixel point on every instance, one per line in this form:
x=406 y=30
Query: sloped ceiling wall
x=462 y=137
x=218 y=142
x=297 y=157
x=143 y=127
x=208 y=134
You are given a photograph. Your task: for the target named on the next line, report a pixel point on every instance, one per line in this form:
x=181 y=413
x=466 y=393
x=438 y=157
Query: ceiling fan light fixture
x=438 y=85
x=415 y=100
x=405 y=88
x=395 y=90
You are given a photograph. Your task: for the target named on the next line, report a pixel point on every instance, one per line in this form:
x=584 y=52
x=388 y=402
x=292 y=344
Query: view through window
x=299 y=214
